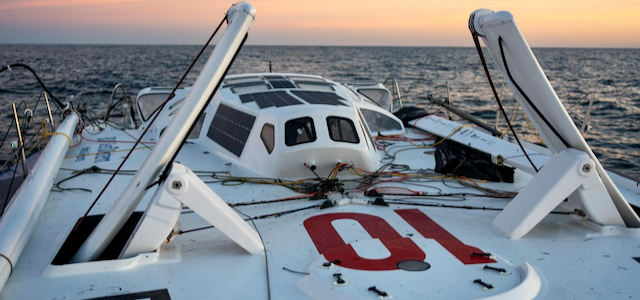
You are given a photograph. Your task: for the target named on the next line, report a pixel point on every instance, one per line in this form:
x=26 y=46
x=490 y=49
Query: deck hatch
x=318 y=97
x=241 y=79
x=230 y=128
x=282 y=84
x=268 y=99
x=241 y=84
x=268 y=77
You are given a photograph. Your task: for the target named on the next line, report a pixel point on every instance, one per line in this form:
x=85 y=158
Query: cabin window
x=379 y=96
x=195 y=133
x=378 y=122
x=267 y=136
x=342 y=130
x=149 y=103
x=364 y=131
x=299 y=131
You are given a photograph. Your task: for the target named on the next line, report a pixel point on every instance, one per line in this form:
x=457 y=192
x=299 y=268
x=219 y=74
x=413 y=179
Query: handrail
x=395 y=88
x=113 y=94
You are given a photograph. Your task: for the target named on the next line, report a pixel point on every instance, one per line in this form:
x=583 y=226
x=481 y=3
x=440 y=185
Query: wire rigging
x=152 y=121
x=475 y=35
x=44 y=87
x=544 y=119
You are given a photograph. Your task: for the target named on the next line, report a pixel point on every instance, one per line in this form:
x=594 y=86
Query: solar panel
x=230 y=128
x=282 y=84
x=268 y=99
x=318 y=97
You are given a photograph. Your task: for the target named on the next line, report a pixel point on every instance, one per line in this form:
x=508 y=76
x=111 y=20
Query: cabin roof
x=278 y=94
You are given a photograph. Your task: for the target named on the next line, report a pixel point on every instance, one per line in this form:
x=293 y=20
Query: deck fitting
x=486 y=286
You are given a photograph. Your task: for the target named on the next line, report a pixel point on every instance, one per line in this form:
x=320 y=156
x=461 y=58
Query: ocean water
x=611 y=76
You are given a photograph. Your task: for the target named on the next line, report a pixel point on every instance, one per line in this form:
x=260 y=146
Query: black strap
x=474 y=33
x=10 y=263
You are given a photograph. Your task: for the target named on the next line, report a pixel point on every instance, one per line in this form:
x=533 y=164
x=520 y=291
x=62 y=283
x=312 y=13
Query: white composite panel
x=511 y=153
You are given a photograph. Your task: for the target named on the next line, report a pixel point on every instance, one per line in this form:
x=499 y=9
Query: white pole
x=240 y=17
x=22 y=214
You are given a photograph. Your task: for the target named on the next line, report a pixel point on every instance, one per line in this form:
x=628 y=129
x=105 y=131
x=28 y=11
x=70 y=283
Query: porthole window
x=299 y=131
x=342 y=130
x=267 y=136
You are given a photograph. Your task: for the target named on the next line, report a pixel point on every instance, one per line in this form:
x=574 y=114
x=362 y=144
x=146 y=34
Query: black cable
x=474 y=34
x=58 y=103
x=72 y=189
x=277 y=214
x=504 y=61
x=6 y=134
x=266 y=257
x=6 y=199
x=295 y=272
x=169 y=164
x=578 y=102
x=267 y=201
x=153 y=120
x=466 y=207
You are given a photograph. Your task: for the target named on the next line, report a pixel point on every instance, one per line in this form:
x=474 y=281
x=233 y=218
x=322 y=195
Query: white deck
x=575 y=258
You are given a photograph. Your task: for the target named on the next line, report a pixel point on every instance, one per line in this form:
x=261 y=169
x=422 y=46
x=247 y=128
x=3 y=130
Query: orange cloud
x=566 y=23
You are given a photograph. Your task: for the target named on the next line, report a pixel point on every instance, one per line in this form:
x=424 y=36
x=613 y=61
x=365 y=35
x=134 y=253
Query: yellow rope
x=45 y=134
x=450 y=134
x=513 y=117
x=533 y=128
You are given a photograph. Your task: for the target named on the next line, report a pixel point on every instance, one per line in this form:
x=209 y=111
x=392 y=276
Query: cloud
x=18 y=4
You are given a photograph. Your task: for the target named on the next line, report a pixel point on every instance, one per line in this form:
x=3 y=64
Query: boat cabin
x=283 y=125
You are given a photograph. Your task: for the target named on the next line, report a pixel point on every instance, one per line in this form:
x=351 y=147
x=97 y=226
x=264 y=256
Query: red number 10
x=329 y=243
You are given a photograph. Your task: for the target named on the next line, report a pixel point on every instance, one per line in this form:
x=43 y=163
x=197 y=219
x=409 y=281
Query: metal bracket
x=160 y=219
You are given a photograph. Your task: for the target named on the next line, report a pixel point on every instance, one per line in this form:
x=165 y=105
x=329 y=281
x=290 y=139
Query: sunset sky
x=545 y=23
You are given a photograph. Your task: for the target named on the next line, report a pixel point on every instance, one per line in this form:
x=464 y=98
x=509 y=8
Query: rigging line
x=58 y=103
x=295 y=272
x=513 y=118
x=72 y=189
x=474 y=33
x=301 y=197
x=266 y=257
x=442 y=205
x=504 y=61
x=169 y=164
x=153 y=120
x=272 y=215
x=6 y=200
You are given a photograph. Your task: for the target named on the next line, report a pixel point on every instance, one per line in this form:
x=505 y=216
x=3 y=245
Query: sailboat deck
x=564 y=249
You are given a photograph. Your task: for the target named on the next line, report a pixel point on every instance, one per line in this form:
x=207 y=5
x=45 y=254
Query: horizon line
x=285 y=45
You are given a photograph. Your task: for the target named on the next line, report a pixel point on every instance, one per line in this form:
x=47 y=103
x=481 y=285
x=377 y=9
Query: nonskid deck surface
x=574 y=258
